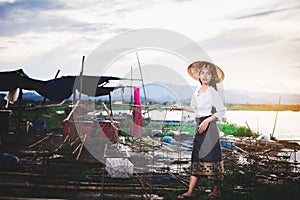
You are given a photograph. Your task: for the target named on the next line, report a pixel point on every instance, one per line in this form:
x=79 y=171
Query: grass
x=235 y=130
x=49 y=115
x=226 y=128
x=263 y=107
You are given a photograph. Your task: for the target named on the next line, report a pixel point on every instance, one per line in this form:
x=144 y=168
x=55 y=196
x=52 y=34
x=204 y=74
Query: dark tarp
x=56 y=89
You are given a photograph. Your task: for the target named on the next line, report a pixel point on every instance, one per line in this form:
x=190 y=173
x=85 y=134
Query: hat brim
x=195 y=68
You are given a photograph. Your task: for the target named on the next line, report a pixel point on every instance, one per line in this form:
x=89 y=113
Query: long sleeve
x=218 y=104
x=193 y=102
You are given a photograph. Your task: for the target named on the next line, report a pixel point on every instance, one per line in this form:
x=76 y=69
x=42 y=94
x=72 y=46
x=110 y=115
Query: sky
x=255 y=42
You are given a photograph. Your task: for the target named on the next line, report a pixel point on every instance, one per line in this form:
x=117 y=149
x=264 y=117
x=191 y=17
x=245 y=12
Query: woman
x=208 y=108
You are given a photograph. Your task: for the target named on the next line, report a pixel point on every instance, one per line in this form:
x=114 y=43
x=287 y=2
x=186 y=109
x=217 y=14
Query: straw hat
x=195 y=68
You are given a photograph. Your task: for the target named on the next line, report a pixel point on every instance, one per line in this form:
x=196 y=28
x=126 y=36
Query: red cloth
x=137 y=117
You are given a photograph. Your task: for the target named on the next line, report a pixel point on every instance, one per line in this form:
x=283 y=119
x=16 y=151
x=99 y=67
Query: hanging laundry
x=12 y=96
x=137 y=117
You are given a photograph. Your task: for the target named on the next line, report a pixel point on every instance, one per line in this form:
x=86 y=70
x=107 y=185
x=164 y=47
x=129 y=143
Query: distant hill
x=156 y=92
x=32 y=96
x=171 y=93
x=26 y=96
x=244 y=97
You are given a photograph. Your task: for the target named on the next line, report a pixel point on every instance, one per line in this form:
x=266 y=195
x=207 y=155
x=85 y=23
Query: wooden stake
x=73 y=109
x=81 y=147
x=40 y=141
x=91 y=188
x=272 y=135
x=116 y=129
x=249 y=128
x=61 y=145
x=81 y=74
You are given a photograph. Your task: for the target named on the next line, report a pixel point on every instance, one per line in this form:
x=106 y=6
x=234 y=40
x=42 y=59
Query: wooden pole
x=61 y=145
x=20 y=113
x=81 y=147
x=249 y=128
x=76 y=149
x=91 y=188
x=81 y=74
x=43 y=102
x=131 y=91
x=40 y=141
x=272 y=135
x=142 y=78
x=111 y=119
x=70 y=114
x=110 y=104
x=72 y=143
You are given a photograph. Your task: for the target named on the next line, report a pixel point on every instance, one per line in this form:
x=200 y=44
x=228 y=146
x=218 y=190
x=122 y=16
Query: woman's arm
x=185 y=108
x=203 y=126
x=218 y=104
x=220 y=111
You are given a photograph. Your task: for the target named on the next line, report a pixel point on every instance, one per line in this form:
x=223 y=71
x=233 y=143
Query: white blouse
x=202 y=104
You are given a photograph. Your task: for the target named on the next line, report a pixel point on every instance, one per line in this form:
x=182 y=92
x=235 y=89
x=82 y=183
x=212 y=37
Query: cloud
x=24 y=16
x=239 y=39
x=40 y=23
x=261 y=14
x=261 y=34
x=293 y=6
x=7 y=9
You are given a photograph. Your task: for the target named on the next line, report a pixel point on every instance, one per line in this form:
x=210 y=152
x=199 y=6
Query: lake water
x=287 y=125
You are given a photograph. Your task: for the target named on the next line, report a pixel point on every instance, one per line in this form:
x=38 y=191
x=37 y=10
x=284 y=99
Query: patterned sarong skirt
x=207 y=154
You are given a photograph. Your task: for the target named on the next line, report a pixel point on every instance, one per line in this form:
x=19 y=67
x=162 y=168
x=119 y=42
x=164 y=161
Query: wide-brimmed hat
x=195 y=68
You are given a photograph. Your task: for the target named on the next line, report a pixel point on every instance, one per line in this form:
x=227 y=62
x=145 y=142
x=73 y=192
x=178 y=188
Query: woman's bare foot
x=214 y=194
x=186 y=196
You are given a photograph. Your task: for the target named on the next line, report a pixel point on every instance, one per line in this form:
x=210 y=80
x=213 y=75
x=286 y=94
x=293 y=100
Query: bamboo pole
x=40 y=141
x=72 y=143
x=240 y=149
x=249 y=128
x=46 y=106
x=73 y=109
x=116 y=129
x=43 y=102
x=272 y=134
x=61 y=145
x=76 y=149
x=179 y=179
x=81 y=147
x=81 y=74
x=91 y=188
x=137 y=56
x=145 y=191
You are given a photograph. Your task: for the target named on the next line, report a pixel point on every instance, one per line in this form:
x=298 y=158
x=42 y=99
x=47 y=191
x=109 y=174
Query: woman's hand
x=175 y=107
x=203 y=126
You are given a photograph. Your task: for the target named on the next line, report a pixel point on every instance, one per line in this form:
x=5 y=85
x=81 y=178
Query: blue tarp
x=56 y=89
x=174 y=123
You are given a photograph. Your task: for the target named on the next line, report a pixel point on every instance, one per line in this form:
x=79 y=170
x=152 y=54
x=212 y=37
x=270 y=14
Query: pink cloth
x=137 y=117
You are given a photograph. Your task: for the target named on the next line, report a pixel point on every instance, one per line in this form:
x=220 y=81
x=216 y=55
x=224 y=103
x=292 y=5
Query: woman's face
x=205 y=76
